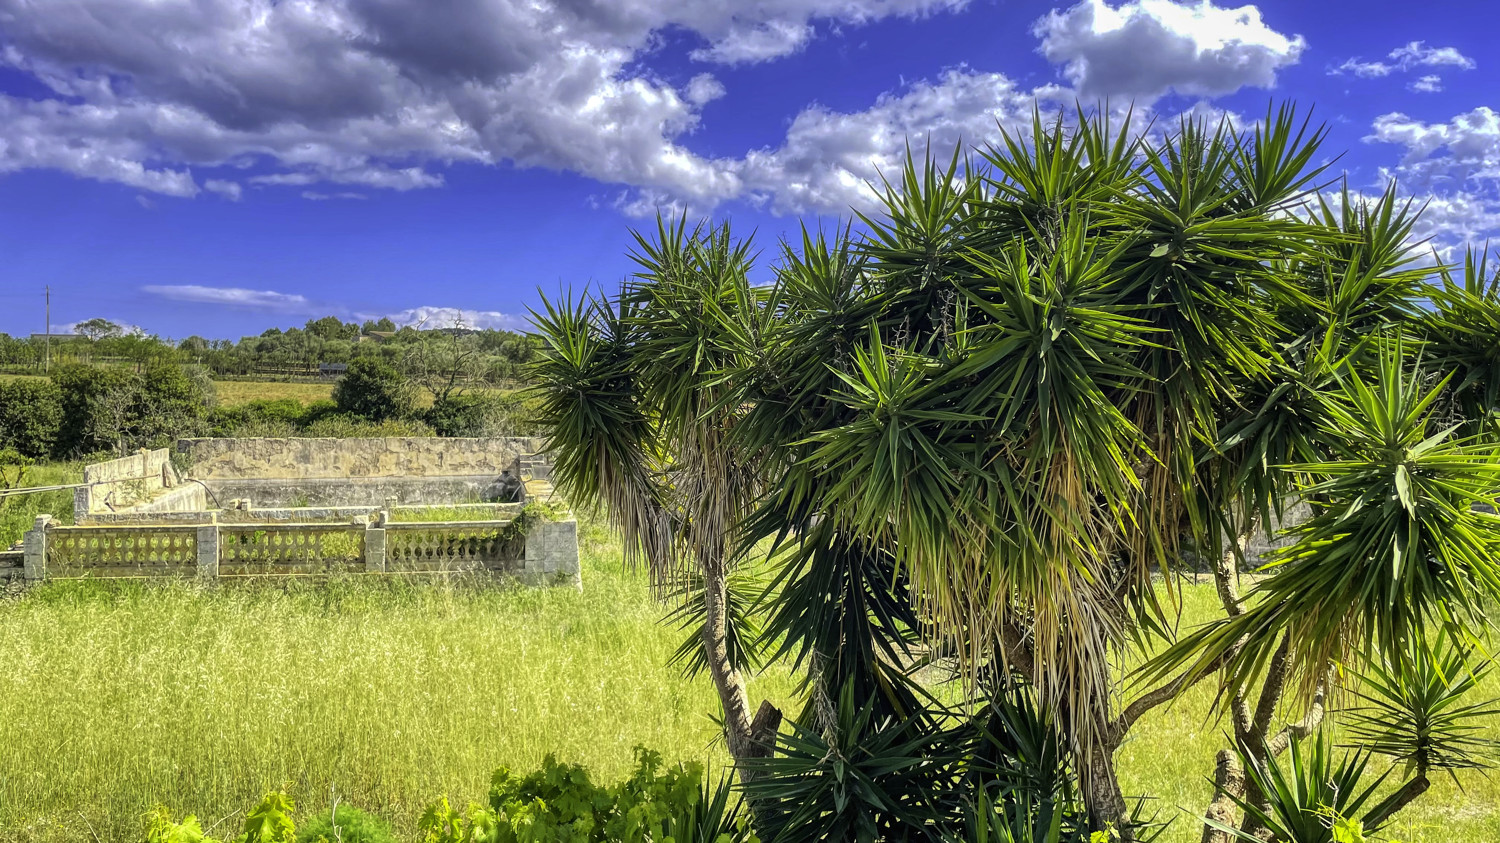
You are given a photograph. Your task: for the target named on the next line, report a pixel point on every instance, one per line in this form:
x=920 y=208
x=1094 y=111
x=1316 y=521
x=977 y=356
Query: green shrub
x=346 y=824
x=31 y=416
x=347 y=426
x=279 y=413
x=560 y=803
x=479 y=414
x=171 y=404
x=98 y=405
x=114 y=409
x=374 y=390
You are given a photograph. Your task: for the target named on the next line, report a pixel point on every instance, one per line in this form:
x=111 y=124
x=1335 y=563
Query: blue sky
x=214 y=167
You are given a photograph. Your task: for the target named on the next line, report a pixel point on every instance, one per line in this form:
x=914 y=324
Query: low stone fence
x=535 y=549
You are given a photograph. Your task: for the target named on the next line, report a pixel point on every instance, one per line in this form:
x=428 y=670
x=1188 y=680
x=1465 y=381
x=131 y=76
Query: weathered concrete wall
x=310 y=459
x=188 y=497
x=123 y=483
x=354 y=491
x=352 y=472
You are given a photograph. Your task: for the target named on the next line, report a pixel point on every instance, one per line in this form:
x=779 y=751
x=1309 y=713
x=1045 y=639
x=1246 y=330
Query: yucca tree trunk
x=1102 y=794
x=728 y=681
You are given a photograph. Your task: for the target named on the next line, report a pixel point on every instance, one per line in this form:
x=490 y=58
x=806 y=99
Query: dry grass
x=390 y=693
x=232 y=393
x=115 y=698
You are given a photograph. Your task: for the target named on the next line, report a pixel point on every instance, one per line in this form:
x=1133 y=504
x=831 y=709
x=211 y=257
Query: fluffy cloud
x=1464 y=150
x=1427 y=85
x=232 y=296
x=1410 y=57
x=230 y=190
x=427 y=316
x=1362 y=69
x=1454 y=169
x=378 y=93
x=1418 y=54
x=448 y=317
x=339 y=97
x=1146 y=48
x=830 y=157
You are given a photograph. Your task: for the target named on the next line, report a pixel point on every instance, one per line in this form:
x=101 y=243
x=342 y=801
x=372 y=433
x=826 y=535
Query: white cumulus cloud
x=1146 y=48
x=382 y=94
x=428 y=317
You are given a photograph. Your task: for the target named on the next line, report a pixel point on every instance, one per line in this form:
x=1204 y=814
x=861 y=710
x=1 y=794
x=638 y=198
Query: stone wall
x=124 y=483
x=311 y=459
x=352 y=472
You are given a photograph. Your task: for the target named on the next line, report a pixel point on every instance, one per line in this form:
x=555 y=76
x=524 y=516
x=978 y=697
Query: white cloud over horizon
x=425 y=316
x=429 y=317
x=230 y=296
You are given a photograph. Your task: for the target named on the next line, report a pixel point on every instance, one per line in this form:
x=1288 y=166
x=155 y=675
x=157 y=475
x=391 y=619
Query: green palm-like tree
x=640 y=421
x=1032 y=383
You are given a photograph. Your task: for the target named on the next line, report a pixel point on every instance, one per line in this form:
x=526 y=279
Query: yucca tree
x=1020 y=373
x=640 y=421
x=1034 y=381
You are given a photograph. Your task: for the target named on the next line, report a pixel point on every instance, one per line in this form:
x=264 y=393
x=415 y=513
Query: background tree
x=447 y=364
x=97 y=329
x=374 y=390
x=31 y=417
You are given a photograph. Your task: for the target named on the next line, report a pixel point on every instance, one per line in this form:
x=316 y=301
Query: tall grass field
x=389 y=693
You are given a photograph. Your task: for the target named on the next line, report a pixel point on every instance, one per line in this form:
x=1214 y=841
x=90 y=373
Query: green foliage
x=14 y=469
x=270 y=821
x=440 y=823
x=862 y=776
x=742 y=637
x=372 y=389
x=31 y=416
x=160 y=828
x=98 y=407
x=560 y=803
x=1417 y=709
x=480 y=414
x=1398 y=544
x=253 y=417
x=343 y=426
x=172 y=403
x=1462 y=331
x=119 y=410
x=346 y=824
x=1303 y=789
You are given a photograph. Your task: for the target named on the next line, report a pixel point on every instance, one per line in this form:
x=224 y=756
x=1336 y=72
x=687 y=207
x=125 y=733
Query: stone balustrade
x=537 y=550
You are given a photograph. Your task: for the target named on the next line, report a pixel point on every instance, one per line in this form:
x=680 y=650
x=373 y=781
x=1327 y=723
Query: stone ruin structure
x=223 y=508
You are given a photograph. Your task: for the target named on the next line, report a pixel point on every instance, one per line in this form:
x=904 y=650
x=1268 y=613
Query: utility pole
x=47 y=361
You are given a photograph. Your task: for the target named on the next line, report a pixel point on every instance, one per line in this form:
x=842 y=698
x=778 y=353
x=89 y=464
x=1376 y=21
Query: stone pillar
x=208 y=549
x=552 y=552
x=35 y=544
x=83 y=504
x=375 y=544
